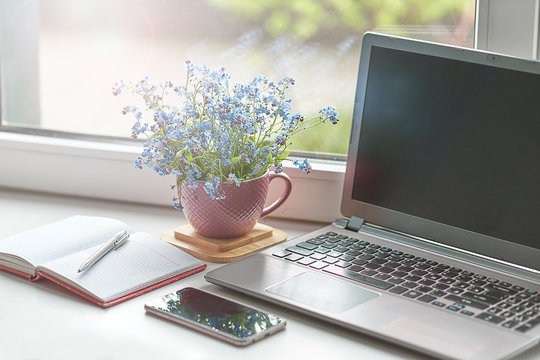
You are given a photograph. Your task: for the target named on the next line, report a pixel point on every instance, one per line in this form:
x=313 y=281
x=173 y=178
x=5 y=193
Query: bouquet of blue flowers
x=219 y=132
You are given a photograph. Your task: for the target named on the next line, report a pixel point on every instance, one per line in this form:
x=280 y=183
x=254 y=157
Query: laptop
x=438 y=249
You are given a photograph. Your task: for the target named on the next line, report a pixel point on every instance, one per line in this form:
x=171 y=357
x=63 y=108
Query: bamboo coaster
x=224 y=250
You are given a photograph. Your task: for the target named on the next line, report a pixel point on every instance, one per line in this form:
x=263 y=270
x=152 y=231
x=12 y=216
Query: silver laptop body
x=439 y=247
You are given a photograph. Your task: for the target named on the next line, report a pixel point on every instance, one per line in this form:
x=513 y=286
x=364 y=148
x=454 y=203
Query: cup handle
x=284 y=194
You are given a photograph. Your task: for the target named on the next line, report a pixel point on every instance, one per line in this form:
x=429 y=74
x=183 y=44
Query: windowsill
x=105 y=170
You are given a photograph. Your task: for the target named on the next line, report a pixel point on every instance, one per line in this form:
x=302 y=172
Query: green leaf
x=283 y=155
x=234 y=160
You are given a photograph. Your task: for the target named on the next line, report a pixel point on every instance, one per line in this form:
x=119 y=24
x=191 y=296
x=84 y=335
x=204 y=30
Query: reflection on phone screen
x=215 y=312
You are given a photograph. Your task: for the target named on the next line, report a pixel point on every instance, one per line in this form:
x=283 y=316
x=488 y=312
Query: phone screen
x=215 y=313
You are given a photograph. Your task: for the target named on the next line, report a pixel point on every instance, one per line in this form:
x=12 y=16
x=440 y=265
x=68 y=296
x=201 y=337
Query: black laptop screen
x=453 y=142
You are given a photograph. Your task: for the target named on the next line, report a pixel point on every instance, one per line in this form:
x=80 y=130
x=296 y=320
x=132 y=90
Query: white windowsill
x=105 y=171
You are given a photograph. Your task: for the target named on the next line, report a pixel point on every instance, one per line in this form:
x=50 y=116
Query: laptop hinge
x=354 y=224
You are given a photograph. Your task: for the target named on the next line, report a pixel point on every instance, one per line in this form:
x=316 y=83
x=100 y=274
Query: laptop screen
x=447 y=141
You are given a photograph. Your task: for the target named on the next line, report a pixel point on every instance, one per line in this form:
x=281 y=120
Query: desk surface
x=42 y=321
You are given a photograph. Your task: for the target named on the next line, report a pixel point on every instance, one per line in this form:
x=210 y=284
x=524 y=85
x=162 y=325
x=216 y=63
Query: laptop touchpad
x=321 y=292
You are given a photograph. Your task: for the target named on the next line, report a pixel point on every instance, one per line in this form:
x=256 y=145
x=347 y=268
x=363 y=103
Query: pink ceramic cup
x=235 y=215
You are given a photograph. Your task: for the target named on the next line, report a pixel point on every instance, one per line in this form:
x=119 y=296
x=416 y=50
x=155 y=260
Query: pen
x=117 y=240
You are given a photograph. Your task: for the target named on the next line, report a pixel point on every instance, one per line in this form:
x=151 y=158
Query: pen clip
x=119 y=239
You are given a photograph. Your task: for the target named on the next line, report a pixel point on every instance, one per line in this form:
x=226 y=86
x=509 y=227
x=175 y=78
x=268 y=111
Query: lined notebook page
x=142 y=261
x=61 y=238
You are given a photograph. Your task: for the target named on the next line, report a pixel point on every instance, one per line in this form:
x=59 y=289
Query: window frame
x=99 y=167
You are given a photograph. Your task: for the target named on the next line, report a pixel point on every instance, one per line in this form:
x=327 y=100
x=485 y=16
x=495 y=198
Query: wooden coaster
x=186 y=233
x=224 y=250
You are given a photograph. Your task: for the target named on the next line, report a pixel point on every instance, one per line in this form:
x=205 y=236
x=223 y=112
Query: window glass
x=87 y=46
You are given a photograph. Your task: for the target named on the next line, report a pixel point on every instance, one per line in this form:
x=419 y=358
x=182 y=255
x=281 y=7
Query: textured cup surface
x=235 y=215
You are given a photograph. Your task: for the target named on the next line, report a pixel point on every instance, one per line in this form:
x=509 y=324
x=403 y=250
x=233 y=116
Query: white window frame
x=54 y=163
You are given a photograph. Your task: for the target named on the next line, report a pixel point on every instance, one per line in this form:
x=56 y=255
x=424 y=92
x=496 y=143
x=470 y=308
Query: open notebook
x=55 y=251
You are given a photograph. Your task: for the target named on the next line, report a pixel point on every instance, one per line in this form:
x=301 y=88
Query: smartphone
x=227 y=320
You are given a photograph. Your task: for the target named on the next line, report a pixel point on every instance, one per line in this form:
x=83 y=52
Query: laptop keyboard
x=445 y=287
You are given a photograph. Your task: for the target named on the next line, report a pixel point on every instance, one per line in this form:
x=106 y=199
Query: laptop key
x=441 y=286
x=510 y=324
x=528 y=326
x=333 y=253
x=294 y=257
x=466 y=301
x=341 y=249
x=359 y=262
x=306 y=261
x=356 y=268
x=369 y=272
x=315 y=241
x=438 y=293
x=490 y=317
x=476 y=289
x=299 y=251
x=501 y=289
x=386 y=270
x=318 y=265
x=353 y=253
x=410 y=284
x=347 y=257
x=342 y=264
x=412 y=294
x=413 y=278
x=330 y=260
x=322 y=250
x=372 y=266
x=398 y=290
x=399 y=273
x=409 y=263
x=318 y=256
x=405 y=268
x=282 y=253
x=507 y=314
x=480 y=297
x=328 y=245
x=358 y=277
x=426 y=298
x=478 y=282
x=307 y=246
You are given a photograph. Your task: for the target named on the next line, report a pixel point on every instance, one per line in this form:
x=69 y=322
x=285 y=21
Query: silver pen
x=117 y=240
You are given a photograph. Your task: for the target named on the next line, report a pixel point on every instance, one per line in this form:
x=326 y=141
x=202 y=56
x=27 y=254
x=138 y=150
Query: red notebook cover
x=112 y=302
